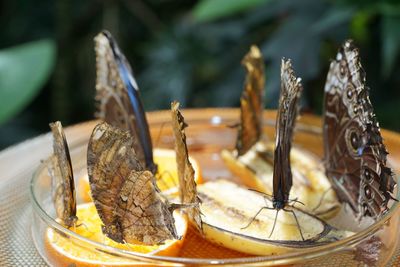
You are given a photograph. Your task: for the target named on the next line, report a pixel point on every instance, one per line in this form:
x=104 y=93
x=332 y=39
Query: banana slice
x=227 y=210
x=310 y=184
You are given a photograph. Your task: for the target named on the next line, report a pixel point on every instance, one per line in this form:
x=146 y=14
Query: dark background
x=185 y=50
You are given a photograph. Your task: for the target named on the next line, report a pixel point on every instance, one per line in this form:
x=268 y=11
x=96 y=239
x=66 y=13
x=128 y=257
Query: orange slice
x=167 y=175
x=89 y=225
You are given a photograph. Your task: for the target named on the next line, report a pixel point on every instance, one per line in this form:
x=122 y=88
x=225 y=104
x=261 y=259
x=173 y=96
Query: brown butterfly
x=124 y=192
x=62 y=177
x=251 y=102
x=291 y=89
x=355 y=156
x=187 y=184
x=119 y=98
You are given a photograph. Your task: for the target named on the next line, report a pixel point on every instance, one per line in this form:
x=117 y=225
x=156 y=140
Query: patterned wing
x=119 y=98
x=124 y=194
x=251 y=102
x=187 y=184
x=287 y=113
x=62 y=177
x=355 y=156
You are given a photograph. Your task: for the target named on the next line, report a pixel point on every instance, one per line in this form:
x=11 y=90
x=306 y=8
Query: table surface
x=17 y=165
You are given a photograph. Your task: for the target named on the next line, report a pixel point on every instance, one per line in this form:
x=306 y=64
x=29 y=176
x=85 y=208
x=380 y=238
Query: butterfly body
x=355 y=156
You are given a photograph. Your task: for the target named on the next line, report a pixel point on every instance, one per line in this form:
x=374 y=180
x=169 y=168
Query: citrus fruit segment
x=89 y=226
x=310 y=184
x=228 y=215
x=167 y=174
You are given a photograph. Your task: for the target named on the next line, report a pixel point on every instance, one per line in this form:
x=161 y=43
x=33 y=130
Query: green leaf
x=23 y=71
x=390 y=43
x=208 y=10
x=388 y=9
x=334 y=17
x=359 y=25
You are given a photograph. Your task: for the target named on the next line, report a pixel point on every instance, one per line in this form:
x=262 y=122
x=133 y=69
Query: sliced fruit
x=84 y=188
x=310 y=184
x=89 y=226
x=227 y=210
x=167 y=174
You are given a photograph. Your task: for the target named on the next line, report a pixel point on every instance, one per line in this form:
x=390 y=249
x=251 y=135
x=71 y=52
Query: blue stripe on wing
x=137 y=105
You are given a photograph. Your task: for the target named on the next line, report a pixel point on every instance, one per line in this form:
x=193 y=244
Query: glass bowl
x=208 y=133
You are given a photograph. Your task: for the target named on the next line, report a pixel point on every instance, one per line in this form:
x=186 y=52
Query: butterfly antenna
x=273 y=227
x=259 y=192
x=297 y=222
x=321 y=199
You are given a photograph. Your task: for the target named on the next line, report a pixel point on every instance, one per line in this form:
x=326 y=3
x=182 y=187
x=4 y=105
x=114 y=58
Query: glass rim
x=286 y=258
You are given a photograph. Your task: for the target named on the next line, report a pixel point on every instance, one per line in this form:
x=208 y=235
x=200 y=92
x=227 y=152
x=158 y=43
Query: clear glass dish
x=208 y=133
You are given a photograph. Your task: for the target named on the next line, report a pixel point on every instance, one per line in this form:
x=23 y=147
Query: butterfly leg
x=178 y=206
x=295 y=200
x=297 y=222
x=255 y=216
x=322 y=199
x=84 y=225
x=273 y=227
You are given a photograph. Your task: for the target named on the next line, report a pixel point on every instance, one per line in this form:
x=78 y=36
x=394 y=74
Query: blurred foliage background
x=185 y=50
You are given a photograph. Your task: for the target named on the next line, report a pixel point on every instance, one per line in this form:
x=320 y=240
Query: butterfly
x=253 y=158
x=187 y=184
x=288 y=109
x=355 y=156
x=60 y=170
x=251 y=101
x=291 y=89
x=124 y=192
x=118 y=96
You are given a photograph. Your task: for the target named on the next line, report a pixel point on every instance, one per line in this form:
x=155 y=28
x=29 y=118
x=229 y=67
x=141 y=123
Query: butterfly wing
x=287 y=113
x=119 y=98
x=355 y=156
x=123 y=192
x=143 y=215
x=187 y=184
x=62 y=177
x=251 y=102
